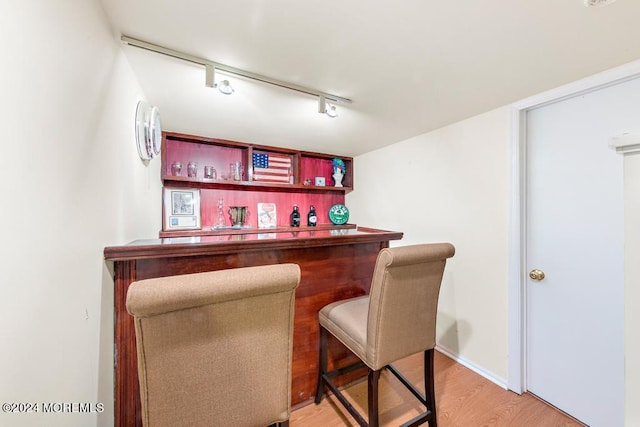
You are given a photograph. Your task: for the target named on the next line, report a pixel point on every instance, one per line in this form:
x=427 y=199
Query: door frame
x=517 y=274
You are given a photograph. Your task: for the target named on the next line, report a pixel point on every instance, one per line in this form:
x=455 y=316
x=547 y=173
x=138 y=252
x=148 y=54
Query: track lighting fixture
x=210 y=81
x=325 y=108
x=225 y=87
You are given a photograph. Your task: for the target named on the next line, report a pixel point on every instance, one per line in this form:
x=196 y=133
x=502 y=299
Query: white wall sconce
x=225 y=87
x=148 y=130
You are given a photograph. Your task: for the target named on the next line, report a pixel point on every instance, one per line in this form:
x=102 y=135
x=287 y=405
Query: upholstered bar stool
x=215 y=349
x=396 y=319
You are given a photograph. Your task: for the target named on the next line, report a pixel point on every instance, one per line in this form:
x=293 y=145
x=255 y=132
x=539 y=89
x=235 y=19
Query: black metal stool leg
x=322 y=364
x=374 y=377
x=429 y=387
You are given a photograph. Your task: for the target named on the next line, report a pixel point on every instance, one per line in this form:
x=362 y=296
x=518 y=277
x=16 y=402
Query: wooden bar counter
x=335 y=262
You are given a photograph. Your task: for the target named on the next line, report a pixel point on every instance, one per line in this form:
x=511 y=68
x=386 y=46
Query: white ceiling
x=409 y=66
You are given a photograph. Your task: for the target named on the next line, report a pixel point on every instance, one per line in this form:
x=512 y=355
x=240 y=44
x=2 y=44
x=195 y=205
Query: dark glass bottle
x=295 y=217
x=312 y=219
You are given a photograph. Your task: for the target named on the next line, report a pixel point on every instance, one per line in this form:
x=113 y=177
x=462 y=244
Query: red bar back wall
x=284 y=205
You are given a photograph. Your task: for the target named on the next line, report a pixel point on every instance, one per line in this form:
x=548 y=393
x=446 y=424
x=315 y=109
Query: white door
x=575 y=236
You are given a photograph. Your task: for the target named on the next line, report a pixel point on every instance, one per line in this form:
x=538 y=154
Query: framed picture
x=181 y=208
x=320 y=182
x=267 y=217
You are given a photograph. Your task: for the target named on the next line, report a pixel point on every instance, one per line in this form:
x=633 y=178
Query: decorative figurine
x=339 y=170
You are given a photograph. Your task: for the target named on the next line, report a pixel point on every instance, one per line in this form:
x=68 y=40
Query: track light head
x=325 y=108
x=225 y=87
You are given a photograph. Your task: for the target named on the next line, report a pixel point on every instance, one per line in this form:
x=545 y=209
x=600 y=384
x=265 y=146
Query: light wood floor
x=464 y=399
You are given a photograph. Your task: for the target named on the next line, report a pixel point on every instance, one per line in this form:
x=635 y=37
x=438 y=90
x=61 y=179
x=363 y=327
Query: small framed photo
x=320 y=182
x=181 y=209
x=267 y=217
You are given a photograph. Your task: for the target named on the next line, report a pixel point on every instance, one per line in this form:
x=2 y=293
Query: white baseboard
x=501 y=382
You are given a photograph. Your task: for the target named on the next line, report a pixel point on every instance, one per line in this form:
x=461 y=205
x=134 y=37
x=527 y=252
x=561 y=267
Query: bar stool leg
x=373 y=379
x=429 y=387
x=322 y=364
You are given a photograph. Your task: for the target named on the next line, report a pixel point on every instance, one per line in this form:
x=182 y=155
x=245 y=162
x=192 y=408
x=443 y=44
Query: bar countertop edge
x=261 y=240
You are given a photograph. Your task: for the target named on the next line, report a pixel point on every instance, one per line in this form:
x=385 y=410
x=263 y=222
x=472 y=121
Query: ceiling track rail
x=211 y=66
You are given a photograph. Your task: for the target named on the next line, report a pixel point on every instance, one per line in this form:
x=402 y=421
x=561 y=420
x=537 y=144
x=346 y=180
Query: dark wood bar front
x=336 y=263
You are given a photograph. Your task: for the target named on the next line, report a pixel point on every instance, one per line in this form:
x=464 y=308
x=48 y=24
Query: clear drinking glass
x=192 y=169
x=235 y=171
x=210 y=172
x=176 y=168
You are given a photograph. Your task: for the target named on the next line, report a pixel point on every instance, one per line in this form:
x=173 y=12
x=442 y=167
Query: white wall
x=451 y=185
x=632 y=288
x=71 y=184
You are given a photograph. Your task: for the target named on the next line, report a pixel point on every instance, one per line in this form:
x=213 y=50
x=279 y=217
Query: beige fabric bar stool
x=214 y=349
x=396 y=319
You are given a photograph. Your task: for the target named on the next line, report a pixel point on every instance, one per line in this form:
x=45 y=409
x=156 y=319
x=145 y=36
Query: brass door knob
x=536 y=274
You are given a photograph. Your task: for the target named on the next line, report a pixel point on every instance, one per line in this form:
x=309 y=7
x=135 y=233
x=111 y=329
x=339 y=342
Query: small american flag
x=271 y=167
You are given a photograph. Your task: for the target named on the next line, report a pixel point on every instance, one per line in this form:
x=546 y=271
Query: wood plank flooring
x=464 y=399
